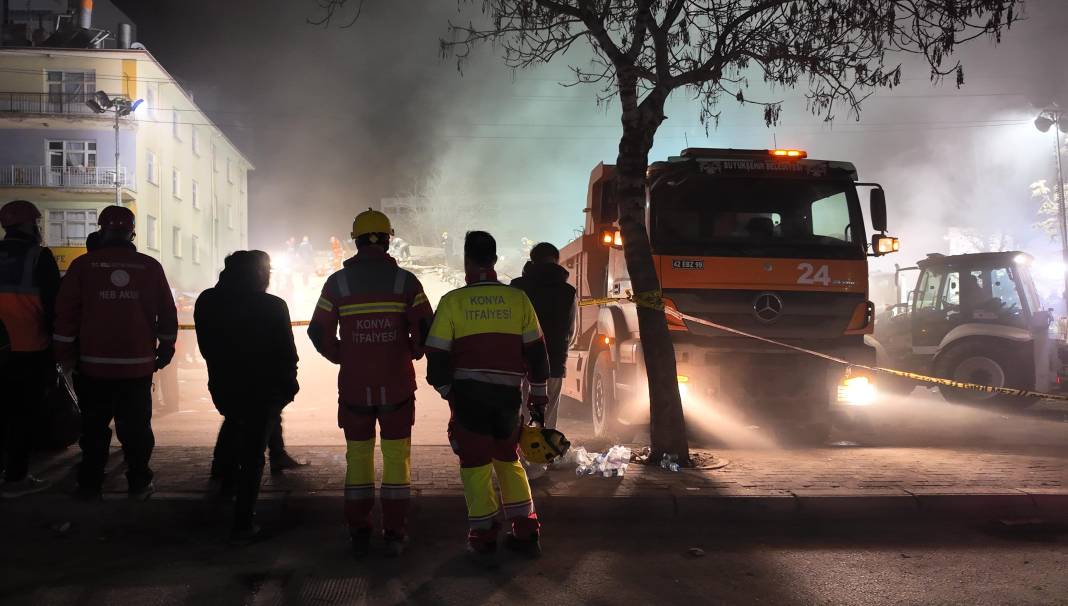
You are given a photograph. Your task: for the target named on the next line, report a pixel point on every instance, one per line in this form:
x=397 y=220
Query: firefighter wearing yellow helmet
x=372 y=320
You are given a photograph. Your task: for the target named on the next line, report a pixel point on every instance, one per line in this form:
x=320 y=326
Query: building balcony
x=92 y=178
x=64 y=104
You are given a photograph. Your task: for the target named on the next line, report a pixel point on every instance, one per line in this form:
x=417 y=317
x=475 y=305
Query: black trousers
x=276 y=447
x=239 y=456
x=25 y=378
x=129 y=403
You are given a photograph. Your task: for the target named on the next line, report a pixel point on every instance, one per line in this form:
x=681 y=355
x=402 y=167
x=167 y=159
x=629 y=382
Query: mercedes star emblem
x=767 y=307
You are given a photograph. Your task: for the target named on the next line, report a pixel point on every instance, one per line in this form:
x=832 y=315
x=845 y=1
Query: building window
x=176 y=183
x=194 y=192
x=195 y=139
x=242 y=179
x=152 y=175
x=230 y=216
x=70 y=227
x=152 y=237
x=229 y=170
x=214 y=157
x=71 y=154
x=176 y=241
x=195 y=245
x=150 y=99
x=174 y=124
x=70 y=87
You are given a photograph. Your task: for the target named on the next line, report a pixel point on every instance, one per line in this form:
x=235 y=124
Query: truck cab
x=974 y=318
x=764 y=241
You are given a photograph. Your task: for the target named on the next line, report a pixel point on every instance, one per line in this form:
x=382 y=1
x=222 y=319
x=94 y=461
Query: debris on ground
x=695 y=552
x=608 y=464
x=641 y=456
x=670 y=462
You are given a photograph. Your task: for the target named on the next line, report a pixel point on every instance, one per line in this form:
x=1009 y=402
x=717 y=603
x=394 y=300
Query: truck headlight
x=856 y=391
x=683 y=388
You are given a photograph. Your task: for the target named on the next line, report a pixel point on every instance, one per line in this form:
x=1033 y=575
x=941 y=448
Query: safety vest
x=21 y=308
x=486 y=328
x=370 y=319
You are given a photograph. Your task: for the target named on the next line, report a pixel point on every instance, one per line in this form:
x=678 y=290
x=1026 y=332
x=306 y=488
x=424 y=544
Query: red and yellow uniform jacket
x=486 y=332
x=29 y=280
x=114 y=310
x=372 y=318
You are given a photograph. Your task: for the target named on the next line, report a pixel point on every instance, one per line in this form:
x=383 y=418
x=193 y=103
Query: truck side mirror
x=605 y=203
x=878 y=209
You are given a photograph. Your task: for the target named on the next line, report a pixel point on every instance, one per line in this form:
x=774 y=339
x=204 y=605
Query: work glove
x=536 y=407
x=163 y=356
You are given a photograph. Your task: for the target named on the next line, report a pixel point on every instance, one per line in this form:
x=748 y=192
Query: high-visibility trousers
x=492 y=449
x=396 y=422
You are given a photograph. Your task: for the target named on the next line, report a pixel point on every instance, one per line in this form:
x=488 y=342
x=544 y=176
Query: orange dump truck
x=765 y=241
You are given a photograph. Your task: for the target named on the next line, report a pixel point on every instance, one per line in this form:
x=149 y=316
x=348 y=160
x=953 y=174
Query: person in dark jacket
x=29 y=282
x=246 y=340
x=545 y=283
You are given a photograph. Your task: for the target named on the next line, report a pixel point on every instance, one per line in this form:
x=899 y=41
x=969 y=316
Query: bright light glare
x=683 y=388
x=1022 y=259
x=856 y=391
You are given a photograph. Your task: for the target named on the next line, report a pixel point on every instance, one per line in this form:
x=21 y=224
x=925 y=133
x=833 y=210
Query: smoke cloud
x=337 y=119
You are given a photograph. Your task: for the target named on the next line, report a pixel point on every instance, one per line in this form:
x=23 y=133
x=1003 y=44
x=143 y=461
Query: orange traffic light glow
x=788 y=153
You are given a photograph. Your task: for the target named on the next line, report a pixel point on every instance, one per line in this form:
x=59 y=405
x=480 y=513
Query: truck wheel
x=602 y=397
x=983 y=364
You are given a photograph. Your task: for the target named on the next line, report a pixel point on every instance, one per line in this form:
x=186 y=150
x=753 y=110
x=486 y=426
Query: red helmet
x=116 y=217
x=18 y=212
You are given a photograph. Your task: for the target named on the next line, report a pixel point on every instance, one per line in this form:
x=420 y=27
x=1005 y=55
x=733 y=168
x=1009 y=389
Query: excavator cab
x=974 y=318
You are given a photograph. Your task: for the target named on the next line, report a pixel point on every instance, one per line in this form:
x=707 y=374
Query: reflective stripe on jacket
x=29 y=279
x=491 y=335
x=371 y=319
x=114 y=308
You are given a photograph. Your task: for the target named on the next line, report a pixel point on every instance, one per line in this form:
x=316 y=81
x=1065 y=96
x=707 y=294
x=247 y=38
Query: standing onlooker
x=545 y=283
x=382 y=316
x=247 y=342
x=29 y=280
x=116 y=324
x=485 y=341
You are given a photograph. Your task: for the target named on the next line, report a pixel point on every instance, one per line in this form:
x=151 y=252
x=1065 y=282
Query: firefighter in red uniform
x=484 y=341
x=29 y=279
x=383 y=317
x=116 y=324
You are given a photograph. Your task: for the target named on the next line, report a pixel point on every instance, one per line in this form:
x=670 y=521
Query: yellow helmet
x=540 y=445
x=371 y=221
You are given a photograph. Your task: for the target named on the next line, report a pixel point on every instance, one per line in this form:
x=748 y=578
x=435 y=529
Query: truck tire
x=602 y=397
x=984 y=363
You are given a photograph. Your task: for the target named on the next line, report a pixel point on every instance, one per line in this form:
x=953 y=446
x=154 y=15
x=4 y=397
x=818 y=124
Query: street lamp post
x=101 y=103
x=1054 y=117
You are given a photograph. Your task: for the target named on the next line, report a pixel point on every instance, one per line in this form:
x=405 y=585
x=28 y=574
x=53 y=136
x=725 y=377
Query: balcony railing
x=46 y=103
x=90 y=177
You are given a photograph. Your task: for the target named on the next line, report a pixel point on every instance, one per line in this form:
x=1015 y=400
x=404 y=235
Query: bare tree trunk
x=640 y=122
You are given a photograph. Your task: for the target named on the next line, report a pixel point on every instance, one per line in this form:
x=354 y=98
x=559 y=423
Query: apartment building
x=184 y=179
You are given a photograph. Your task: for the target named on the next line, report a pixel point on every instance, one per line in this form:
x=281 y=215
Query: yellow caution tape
x=652 y=299
x=1009 y=391
x=293 y=323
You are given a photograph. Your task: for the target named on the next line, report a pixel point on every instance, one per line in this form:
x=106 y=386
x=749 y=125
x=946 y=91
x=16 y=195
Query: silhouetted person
x=92 y=241
x=246 y=339
x=545 y=283
x=29 y=280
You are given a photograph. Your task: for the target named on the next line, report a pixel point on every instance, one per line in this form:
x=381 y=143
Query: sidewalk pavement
x=828 y=483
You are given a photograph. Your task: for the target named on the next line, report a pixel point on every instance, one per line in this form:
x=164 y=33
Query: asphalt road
x=118 y=553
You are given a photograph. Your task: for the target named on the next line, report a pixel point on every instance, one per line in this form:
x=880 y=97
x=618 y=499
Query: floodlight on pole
x=101 y=103
x=1045 y=120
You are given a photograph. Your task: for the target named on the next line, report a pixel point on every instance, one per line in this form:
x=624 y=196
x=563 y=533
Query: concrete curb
x=976 y=505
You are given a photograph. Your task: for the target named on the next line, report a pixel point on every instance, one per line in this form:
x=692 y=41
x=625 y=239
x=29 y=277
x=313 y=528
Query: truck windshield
x=750 y=217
